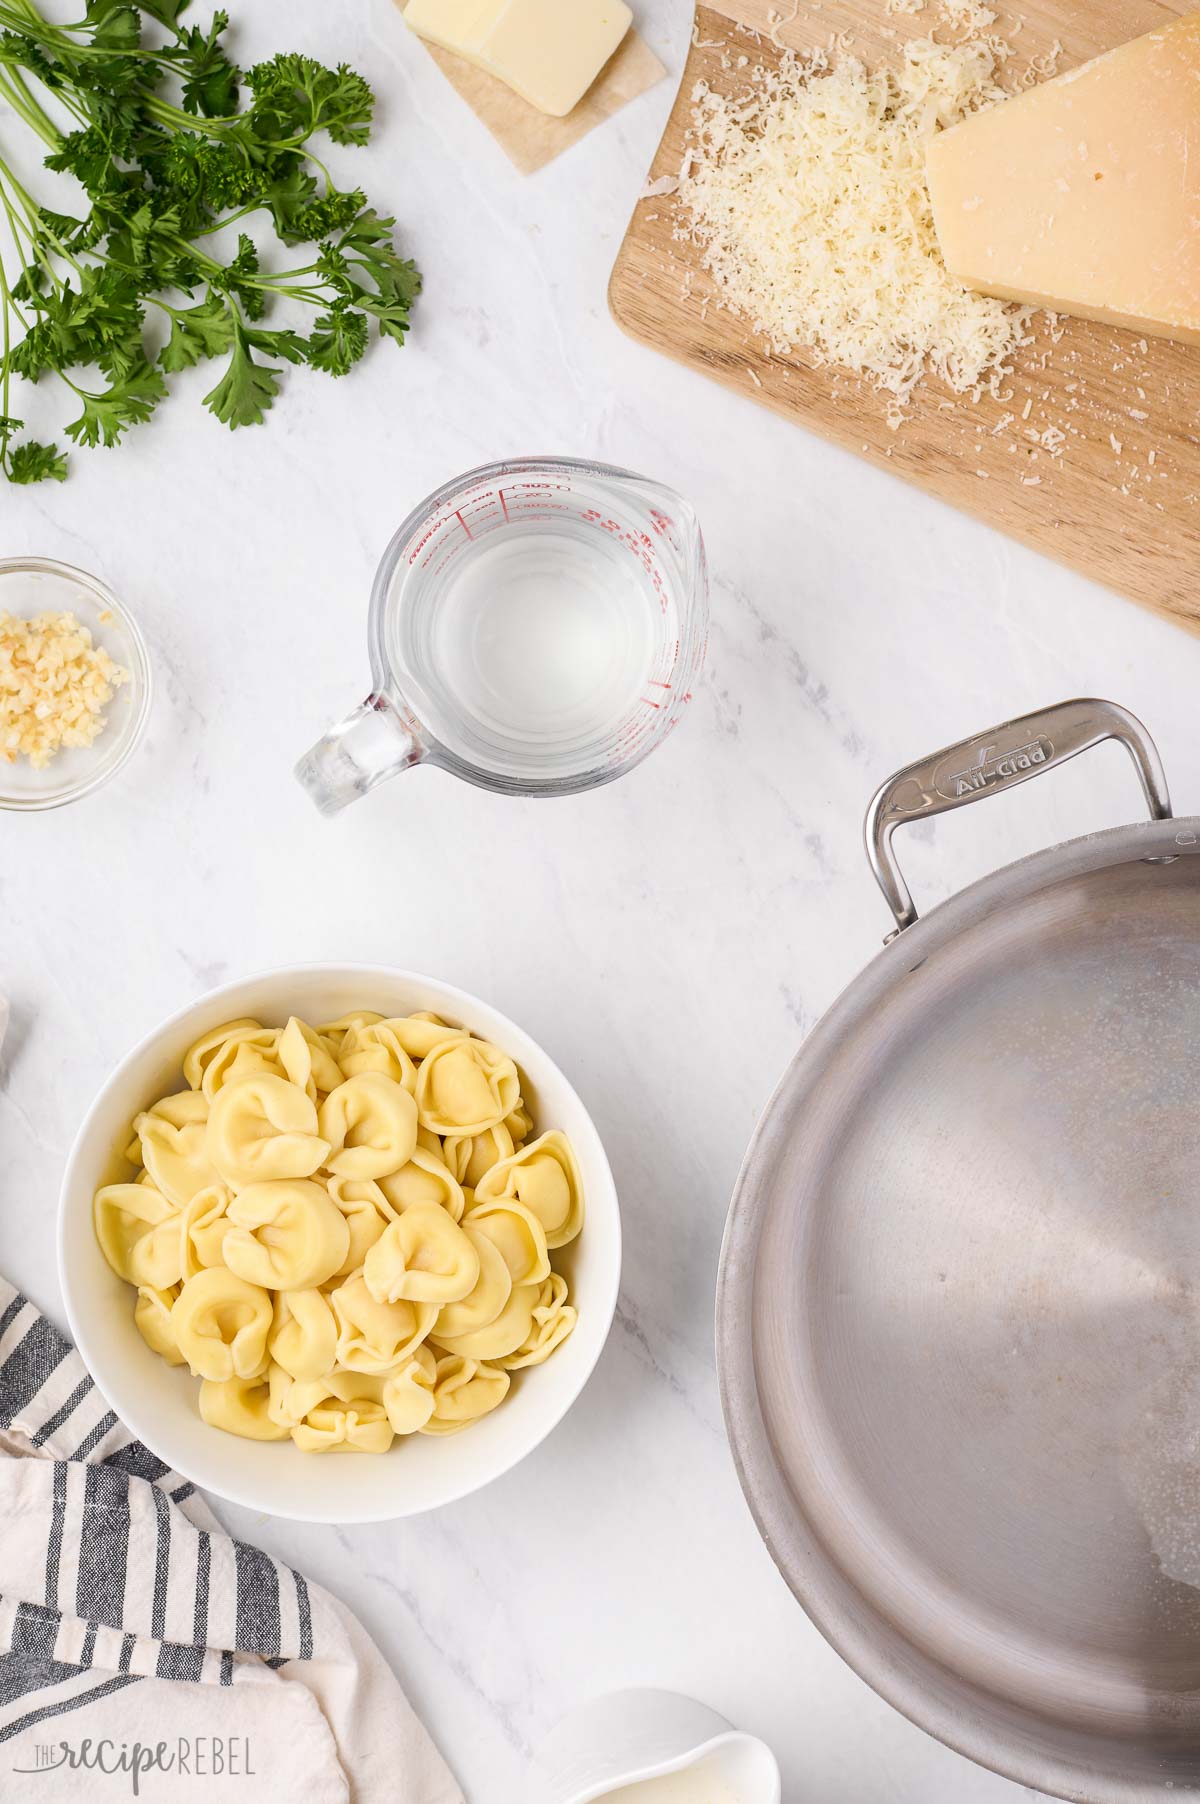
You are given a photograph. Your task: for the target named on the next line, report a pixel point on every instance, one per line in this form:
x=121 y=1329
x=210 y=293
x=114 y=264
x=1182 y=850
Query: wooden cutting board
x=1104 y=505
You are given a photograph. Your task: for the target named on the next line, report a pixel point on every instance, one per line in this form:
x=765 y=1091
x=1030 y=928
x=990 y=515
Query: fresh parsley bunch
x=168 y=155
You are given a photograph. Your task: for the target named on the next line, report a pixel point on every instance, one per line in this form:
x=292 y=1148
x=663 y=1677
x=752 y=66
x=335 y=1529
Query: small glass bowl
x=39 y=585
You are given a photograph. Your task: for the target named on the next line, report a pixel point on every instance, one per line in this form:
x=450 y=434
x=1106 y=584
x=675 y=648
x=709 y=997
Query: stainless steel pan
x=958 y=1315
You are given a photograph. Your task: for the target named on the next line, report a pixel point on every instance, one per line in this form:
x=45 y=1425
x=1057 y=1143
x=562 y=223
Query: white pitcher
x=637 y=1747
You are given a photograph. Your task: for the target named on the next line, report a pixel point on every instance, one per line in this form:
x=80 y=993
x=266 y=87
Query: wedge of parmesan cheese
x=1082 y=195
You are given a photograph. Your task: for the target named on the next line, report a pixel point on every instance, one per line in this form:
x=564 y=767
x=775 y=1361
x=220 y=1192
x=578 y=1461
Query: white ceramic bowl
x=158 y=1402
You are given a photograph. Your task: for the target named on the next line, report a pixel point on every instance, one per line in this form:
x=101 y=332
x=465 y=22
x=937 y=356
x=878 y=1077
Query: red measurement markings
x=446 y=553
x=416 y=547
x=485 y=503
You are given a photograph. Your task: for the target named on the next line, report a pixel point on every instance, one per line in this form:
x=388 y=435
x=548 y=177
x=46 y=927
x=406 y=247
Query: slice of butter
x=549 y=51
x=448 y=23
x=1083 y=195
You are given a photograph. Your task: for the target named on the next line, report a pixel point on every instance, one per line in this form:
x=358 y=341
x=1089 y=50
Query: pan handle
x=998 y=759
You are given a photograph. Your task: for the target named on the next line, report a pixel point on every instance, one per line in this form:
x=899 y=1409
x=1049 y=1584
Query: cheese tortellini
x=239 y=1406
x=139 y=1234
x=370 y=1122
x=373 y=1335
x=422 y=1257
x=518 y=1235
x=152 y=1318
x=173 y=1138
x=345 y=1230
x=262 y=1127
x=203 y=1226
x=464 y=1390
x=307 y=1059
x=470 y=1156
x=544 y=1176
x=303 y=1339
x=466 y=1086
x=199 y=1056
x=425 y=1179
x=367 y=1212
x=285 y=1236
x=376 y=1046
x=220 y=1323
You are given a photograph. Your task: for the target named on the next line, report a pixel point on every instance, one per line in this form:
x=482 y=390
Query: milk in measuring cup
x=547 y=629
x=696 y=1786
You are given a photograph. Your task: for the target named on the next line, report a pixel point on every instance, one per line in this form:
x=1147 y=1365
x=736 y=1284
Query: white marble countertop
x=669 y=939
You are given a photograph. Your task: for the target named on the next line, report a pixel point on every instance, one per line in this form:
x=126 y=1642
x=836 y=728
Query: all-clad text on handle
x=995 y=760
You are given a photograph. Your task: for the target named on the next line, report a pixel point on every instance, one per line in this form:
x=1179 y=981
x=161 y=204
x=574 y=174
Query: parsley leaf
x=198 y=332
x=339 y=339
x=22 y=52
x=367 y=246
x=32 y=462
x=246 y=390
x=235 y=278
x=128 y=401
x=115 y=24
x=166 y=11
x=210 y=84
x=89 y=155
x=71 y=233
x=29 y=462
x=301 y=214
x=278 y=343
x=204 y=176
x=299 y=96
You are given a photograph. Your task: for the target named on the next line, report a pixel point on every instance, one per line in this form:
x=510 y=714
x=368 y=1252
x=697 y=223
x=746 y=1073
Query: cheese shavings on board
x=806 y=194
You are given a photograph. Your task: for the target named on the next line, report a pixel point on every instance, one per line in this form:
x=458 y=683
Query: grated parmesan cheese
x=806 y=195
x=54 y=686
x=967 y=15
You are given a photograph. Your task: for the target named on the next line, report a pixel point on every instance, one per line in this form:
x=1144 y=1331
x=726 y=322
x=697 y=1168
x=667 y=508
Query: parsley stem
x=5 y=347
x=228 y=219
x=30 y=224
x=26 y=108
x=64 y=97
x=22 y=17
x=26 y=199
x=19 y=85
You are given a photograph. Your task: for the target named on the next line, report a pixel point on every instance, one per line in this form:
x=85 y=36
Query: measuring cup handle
x=366 y=748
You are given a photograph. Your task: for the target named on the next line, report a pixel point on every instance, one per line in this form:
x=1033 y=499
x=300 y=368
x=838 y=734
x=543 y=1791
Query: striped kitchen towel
x=145 y=1653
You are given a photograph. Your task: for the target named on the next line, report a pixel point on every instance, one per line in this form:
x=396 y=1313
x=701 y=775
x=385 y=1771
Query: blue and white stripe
x=132 y=1576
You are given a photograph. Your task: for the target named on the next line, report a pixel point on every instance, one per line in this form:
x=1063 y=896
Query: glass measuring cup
x=535 y=627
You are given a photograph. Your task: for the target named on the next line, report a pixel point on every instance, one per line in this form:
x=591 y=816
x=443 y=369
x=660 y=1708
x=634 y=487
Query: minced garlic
x=54 y=686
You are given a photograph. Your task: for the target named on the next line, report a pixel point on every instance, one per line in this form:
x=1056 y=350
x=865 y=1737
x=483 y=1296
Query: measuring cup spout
x=370 y=745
